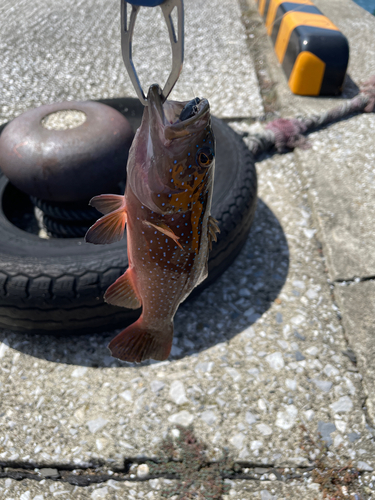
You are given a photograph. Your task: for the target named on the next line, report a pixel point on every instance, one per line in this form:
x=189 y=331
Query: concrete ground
x=274 y=362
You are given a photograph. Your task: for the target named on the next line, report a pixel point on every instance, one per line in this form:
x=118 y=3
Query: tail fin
x=138 y=343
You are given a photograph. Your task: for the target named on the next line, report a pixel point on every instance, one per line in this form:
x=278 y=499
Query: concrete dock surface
x=274 y=363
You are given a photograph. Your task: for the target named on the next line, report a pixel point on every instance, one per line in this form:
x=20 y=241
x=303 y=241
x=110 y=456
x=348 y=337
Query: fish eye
x=204 y=157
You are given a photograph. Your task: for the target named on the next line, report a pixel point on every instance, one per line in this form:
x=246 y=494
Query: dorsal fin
x=163 y=228
x=122 y=292
x=106 y=203
x=213 y=228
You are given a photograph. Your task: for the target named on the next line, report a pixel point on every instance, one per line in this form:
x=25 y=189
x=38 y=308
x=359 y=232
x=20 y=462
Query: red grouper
x=166 y=209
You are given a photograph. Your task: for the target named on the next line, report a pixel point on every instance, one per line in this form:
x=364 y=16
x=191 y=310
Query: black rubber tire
x=60 y=211
x=57 y=285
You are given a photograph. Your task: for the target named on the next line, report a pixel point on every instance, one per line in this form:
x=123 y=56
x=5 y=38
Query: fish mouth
x=171 y=116
x=155 y=100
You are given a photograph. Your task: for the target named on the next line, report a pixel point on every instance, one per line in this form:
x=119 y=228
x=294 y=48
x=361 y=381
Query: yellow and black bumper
x=312 y=51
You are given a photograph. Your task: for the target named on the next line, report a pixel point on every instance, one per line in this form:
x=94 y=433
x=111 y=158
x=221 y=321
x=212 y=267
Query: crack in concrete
x=256 y=37
x=247 y=119
x=349 y=351
x=369 y=422
x=90 y=475
x=354 y=280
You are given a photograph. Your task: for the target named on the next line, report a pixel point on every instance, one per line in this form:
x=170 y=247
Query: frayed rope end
x=288 y=133
x=368 y=89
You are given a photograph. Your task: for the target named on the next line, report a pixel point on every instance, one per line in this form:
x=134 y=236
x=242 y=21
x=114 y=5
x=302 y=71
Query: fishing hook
x=176 y=38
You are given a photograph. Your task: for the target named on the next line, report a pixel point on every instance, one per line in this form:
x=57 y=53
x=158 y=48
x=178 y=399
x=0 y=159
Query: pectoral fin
x=164 y=229
x=106 y=203
x=213 y=228
x=122 y=292
x=108 y=229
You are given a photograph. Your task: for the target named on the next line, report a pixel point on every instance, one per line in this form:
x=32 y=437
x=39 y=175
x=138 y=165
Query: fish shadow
x=241 y=295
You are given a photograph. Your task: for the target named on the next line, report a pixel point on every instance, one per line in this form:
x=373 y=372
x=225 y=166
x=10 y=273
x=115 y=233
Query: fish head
x=173 y=154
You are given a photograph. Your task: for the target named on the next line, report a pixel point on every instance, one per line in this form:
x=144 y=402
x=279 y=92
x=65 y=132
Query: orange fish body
x=166 y=209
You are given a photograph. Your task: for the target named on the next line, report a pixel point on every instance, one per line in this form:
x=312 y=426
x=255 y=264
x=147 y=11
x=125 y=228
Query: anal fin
x=108 y=229
x=122 y=292
x=106 y=203
x=164 y=229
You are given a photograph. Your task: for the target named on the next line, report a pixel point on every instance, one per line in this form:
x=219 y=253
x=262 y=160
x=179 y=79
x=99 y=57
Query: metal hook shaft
x=176 y=37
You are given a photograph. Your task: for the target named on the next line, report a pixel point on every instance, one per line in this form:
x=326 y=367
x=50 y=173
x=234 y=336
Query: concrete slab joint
x=272 y=367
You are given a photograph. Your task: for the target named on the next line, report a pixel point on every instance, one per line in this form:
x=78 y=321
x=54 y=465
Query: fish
x=166 y=211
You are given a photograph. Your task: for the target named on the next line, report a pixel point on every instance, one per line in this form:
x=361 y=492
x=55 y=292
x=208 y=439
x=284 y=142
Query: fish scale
x=149 y=247
x=166 y=209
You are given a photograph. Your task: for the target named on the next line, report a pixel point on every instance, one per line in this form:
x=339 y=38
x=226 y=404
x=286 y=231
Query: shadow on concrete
x=350 y=88
x=231 y=304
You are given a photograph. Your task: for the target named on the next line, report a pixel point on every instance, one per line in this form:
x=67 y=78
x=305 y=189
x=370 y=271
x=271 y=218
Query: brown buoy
x=66 y=152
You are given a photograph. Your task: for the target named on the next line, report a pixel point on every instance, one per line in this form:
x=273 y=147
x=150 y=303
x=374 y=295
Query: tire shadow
x=230 y=305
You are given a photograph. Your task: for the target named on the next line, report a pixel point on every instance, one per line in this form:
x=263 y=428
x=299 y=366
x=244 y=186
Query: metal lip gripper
x=176 y=38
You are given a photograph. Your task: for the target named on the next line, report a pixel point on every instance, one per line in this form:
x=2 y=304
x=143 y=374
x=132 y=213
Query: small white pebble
x=143 y=471
x=177 y=393
x=175 y=433
x=291 y=384
x=309 y=414
x=312 y=351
